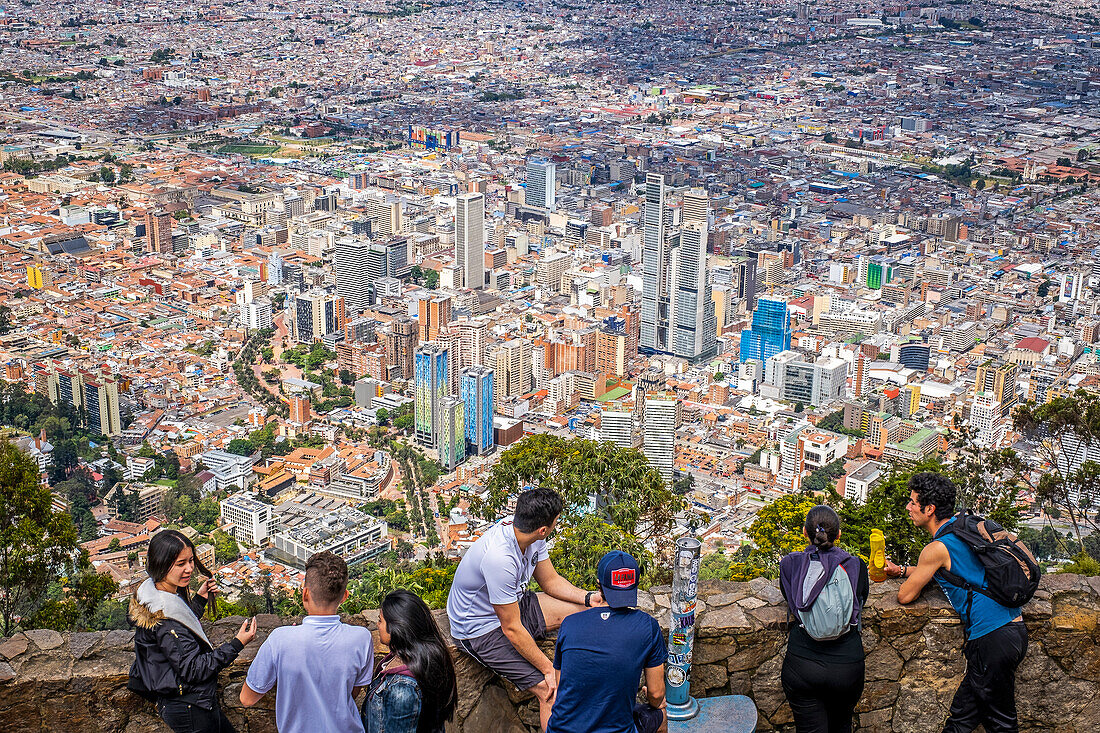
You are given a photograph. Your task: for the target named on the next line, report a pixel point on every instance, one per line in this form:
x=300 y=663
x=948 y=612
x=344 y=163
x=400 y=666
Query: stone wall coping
x=740 y=636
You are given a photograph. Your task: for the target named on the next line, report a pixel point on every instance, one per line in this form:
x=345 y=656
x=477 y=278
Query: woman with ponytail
x=414 y=688
x=825 y=589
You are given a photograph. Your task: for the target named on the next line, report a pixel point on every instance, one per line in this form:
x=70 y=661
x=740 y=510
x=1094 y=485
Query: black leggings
x=183 y=717
x=822 y=695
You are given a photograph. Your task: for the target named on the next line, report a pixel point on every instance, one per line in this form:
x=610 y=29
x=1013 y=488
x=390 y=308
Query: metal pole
x=681 y=632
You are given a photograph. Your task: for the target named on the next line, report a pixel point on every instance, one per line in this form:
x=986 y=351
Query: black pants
x=987 y=695
x=184 y=717
x=822 y=695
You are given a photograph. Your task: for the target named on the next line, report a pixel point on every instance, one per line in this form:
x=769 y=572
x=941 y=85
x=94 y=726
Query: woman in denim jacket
x=413 y=689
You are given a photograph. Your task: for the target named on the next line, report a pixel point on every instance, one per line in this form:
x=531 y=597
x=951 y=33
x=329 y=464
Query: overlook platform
x=75 y=683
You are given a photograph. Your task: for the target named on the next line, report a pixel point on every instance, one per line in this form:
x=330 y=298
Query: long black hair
x=164 y=548
x=822 y=527
x=415 y=638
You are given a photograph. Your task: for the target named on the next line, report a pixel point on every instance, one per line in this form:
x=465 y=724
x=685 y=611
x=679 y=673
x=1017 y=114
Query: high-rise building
x=452 y=342
x=477 y=395
x=101 y=404
x=357 y=264
x=434 y=314
x=611 y=350
x=662 y=416
x=451 y=441
x=158 y=231
x=316 y=314
x=401 y=344
x=618 y=426
x=999 y=380
x=859 y=380
x=511 y=364
x=770 y=332
x=470 y=239
x=696 y=208
x=541 y=181
x=256 y=314
x=744 y=277
x=986 y=419
x=430 y=389
x=94 y=393
x=654 y=333
x=299 y=409
x=692 y=320
x=915 y=355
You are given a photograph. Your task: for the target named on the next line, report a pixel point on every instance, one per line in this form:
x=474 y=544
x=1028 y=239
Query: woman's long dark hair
x=164 y=548
x=415 y=638
x=822 y=527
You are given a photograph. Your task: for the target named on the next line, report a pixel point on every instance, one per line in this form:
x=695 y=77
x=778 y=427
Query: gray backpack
x=830 y=614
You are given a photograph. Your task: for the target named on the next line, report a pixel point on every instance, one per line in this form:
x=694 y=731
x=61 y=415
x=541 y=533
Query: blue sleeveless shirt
x=987 y=614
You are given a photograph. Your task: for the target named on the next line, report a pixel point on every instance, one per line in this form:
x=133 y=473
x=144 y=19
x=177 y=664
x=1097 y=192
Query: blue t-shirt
x=601 y=653
x=986 y=614
x=316 y=665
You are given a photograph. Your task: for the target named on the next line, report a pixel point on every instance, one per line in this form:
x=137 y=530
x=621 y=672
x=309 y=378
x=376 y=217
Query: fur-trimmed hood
x=141 y=616
x=149 y=606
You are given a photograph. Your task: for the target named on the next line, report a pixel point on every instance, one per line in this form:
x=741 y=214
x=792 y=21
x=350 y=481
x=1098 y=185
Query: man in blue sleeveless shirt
x=996 y=638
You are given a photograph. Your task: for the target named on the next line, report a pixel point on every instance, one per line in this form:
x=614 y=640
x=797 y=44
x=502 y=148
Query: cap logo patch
x=622 y=578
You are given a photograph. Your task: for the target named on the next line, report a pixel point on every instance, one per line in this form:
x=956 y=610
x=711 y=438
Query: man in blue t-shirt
x=996 y=638
x=600 y=656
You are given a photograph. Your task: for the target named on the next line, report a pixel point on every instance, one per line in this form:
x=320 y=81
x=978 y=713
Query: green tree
x=618 y=483
x=715 y=566
x=431 y=279
x=34 y=539
x=1055 y=432
x=577 y=551
x=226 y=549
x=382 y=415
x=885 y=509
x=6 y=322
x=240 y=447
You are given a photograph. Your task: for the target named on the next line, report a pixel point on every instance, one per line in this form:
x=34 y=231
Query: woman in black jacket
x=176 y=666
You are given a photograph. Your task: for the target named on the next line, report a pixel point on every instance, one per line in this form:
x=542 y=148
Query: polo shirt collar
x=320 y=620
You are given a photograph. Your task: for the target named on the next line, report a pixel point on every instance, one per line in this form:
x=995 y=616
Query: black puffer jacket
x=172 y=661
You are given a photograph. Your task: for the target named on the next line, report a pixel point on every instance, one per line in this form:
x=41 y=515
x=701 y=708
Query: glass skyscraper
x=430 y=371
x=770 y=332
x=476 y=390
x=451 y=440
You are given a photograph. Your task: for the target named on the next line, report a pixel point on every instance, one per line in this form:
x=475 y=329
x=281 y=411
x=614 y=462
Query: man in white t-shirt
x=495 y=618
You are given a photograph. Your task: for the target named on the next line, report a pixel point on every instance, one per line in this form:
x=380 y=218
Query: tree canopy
x=617 y=484
x=35 y=541
x=1059 y=432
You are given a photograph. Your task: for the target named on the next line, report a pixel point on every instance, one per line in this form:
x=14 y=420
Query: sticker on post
x=676 y=676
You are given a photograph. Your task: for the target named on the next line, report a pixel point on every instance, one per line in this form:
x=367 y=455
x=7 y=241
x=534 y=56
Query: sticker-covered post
x=681 y=632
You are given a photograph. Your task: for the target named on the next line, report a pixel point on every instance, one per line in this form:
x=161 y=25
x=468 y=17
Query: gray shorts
x=493 y=650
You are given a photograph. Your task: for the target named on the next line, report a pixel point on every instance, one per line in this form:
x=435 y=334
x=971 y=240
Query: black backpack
x=1011 y=573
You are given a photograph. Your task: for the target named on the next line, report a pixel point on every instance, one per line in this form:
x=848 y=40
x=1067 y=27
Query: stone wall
x=51 y=682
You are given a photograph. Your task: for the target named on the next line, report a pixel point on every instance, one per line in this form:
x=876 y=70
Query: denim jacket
x=393 y=702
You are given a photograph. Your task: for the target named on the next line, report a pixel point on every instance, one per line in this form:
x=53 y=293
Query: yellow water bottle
x=876 y=568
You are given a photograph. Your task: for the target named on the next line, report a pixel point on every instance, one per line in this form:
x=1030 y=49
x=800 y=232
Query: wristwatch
x=588 y=598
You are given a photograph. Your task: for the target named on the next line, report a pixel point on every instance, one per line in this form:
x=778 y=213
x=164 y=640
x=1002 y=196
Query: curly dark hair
x=934 y=489
x=326 y=577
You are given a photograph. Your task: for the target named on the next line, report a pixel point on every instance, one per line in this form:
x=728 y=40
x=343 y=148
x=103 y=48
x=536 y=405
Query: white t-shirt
x=493 y=572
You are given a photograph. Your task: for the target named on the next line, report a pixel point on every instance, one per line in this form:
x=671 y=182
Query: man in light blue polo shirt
x=318 y=666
